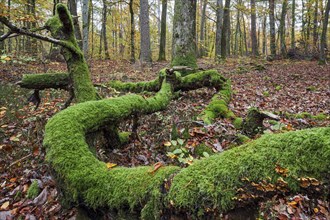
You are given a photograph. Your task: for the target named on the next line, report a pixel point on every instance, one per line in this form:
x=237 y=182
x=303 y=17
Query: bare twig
x=20 y=160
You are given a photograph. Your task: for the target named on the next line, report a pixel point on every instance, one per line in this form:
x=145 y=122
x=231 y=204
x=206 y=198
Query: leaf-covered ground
x=297 y=91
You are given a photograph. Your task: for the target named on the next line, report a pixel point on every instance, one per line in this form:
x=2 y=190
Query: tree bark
x=254 y=29
x=162 y=41
x=132 y=33
x=184 y=33
x=104 y=30
x=226 y=27
x=315 y=26
x=72 y=5
x=293 y=15
x=322 y=59
x=219 y=23
x=272 y=27
x=145 y=53
x=85 y=26
x=282 y=28
x=202 y=46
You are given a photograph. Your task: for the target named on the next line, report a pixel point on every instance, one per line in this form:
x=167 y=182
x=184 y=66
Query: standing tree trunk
x=264 y=36
x=282 y=28
x=315 y=26
x=272 y=27
x=2 y=29
x=202 y=31
x=218 y=33
x=145 y=53
x=253 y=29
x=226 y=27
x=237 y=31
x=322 y=59
x=104 y=30
x=72 y=5
x=162 y=41
x=293 y=14
x=184 y=32
x=132 y=34
x=85 y=15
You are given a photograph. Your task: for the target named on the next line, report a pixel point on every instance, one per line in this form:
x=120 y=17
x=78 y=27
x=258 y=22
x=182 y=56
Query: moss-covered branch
x=208 y=184
x=209 y=78
x=45 y=81
x=218 y=106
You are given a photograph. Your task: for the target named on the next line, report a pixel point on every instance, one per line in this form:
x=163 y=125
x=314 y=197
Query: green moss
x=320 y=117
x=61 y=27
x=200 y=149
x=265 y=93
x=47 y=80
x=33 y=190
x=88 y=179
x=218 y=107
x=124 y=137
x=311 y=88
x=303 y=115
x=187 y=60
x=241 y=139
x=212 y=182
x=209 y=78
x=238 y=123
x=278 y=88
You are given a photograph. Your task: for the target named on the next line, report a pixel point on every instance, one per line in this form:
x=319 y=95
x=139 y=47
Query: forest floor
x=297 y=91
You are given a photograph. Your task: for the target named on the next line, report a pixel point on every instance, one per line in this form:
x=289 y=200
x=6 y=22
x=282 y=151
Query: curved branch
x=14 y=29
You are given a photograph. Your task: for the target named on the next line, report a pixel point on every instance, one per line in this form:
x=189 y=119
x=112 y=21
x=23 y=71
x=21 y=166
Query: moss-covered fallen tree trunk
x=207 y=186
x=208 y=78
x=45 y=81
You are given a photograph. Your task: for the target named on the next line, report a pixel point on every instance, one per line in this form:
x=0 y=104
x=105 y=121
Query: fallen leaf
x=110 y=165
x=167 y=144
x=4 y=206
x=41 y=198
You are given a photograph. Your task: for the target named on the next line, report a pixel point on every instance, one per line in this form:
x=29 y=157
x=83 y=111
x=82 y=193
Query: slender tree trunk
x=145 y=53
x=162 y=41
x=282 y=28
x=121 y=32
x=104 y=30
x=237 y=31
x=228 y=38
x=184 y=34
x=202 y=45
x=72 y=5
x=324 y=34
x=293 y=15
x=244 y=35
x=272 y=27
x=218 y=34
x=226 y=26
x=132 y=33
x=85 y=15
x=315 y=26
x=2 y=30
x=264 y=36
x=9 y=40
x=253 y=29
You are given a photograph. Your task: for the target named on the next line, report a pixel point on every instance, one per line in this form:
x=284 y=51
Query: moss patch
x=218 y=107
x=88 y=179
x=47 y=80
x=212 y=182
x=33 y=190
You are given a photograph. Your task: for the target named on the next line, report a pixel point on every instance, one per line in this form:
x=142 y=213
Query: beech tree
x=145 y=53
x=184 y=32
x=162 y=41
